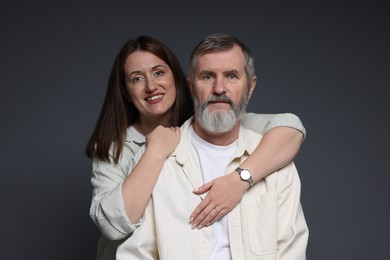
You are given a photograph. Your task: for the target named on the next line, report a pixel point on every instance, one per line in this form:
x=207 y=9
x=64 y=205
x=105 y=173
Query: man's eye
x=232 y=76
x=206 y=77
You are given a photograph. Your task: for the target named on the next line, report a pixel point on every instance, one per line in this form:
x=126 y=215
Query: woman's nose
x=150 y=85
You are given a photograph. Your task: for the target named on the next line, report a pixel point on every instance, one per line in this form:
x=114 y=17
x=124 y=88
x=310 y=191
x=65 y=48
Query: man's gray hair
x=221 y=42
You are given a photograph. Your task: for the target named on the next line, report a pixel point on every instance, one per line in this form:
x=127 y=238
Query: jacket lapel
x=187 y=158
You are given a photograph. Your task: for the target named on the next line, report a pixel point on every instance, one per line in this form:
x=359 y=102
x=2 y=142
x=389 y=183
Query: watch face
x=245 y=175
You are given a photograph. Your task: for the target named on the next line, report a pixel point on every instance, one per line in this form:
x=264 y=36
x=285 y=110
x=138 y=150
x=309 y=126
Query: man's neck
x=221 y=139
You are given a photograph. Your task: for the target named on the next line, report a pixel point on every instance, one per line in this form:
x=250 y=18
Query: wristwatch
x=245 y=175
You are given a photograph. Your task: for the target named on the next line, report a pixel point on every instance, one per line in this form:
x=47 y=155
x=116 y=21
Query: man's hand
x=224 y=193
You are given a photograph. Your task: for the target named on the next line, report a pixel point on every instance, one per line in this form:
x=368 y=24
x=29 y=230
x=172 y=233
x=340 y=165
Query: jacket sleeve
x=107 y=207
x=261 y=123
x=293 y=232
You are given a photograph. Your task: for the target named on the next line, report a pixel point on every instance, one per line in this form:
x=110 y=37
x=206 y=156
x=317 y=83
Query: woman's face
x=150 y=85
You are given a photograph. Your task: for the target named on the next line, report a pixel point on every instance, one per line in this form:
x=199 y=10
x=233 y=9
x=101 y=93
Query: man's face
x=220 y=89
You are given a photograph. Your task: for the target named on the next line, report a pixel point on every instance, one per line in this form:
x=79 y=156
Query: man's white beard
x=219 y=122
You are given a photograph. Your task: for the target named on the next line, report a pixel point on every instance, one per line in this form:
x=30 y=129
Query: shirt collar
x=245 y=142
x=132 y=135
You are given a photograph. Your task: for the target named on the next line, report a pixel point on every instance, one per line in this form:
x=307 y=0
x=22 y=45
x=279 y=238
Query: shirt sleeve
x=107 y=207
x=261 y=123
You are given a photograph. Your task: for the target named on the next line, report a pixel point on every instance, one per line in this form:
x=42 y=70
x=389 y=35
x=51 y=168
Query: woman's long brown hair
x=117 y=114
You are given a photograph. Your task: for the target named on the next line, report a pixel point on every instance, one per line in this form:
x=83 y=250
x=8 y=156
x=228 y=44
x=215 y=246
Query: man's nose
x=219 y=86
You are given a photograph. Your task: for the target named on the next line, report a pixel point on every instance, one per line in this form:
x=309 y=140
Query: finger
x=202 y=205
x=201 y=217
x=212 y=217
x=220 y=215
x=204 y=188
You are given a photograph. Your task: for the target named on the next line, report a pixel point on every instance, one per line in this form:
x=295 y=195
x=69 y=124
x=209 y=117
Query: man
x=268 y=223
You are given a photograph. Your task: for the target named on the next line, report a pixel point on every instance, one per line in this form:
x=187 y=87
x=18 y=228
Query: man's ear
x=252 y=86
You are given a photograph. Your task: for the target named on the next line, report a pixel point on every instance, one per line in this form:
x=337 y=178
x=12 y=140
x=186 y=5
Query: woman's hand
x=224 y=193
x=163 y=140
x=136 y=189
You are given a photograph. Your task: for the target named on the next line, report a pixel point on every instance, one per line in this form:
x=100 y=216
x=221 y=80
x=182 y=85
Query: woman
x=147 y=98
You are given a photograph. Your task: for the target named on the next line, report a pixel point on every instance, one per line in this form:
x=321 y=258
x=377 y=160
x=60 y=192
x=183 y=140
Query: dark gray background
x=326 y=62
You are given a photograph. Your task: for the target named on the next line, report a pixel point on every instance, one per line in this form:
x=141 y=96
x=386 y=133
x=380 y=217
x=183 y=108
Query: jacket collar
x=187 y=159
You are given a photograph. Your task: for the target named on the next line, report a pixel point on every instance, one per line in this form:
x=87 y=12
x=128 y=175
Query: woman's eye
x=159 y=73
x=136 y=79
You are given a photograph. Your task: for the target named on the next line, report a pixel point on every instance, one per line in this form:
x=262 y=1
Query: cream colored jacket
x=268 y=223
x=107 y=207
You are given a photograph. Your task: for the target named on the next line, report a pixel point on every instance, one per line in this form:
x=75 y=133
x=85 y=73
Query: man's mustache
x=220 y=98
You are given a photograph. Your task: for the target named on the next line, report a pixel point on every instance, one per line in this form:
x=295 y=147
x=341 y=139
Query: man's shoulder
x=249 y=133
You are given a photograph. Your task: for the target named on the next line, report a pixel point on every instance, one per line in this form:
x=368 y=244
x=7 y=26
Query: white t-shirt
x=213 y=161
